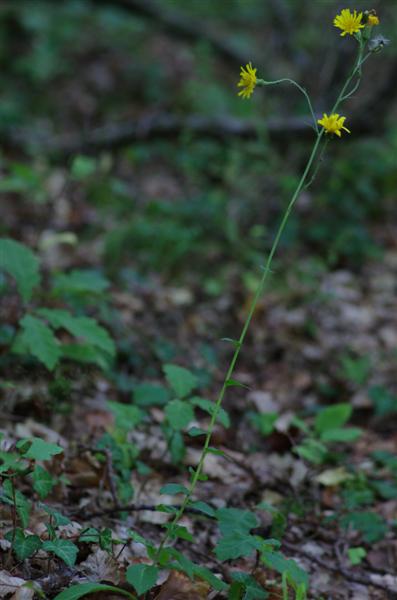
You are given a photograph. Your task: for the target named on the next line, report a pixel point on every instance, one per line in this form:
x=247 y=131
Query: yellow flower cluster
x=351 y=22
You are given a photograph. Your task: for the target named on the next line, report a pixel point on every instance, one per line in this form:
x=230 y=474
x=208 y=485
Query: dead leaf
x=99 y=566
x=179 y=587
x=9 y=584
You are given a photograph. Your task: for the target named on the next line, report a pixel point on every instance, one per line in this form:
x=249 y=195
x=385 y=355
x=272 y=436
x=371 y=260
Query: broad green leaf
x=142 y=577
x=345 y=434
x=64 y=549
x=236 y=544
x=40 y=341
x=127 y=416
x=81 y=327
x=20 y=262
x=25 y=546
x=43 y=482
x=57 y=517
x=180 y=379
x=83 y=167
x=174 y=488
x=148 y=394
x=85 y=353
x=249 y=586
x=232 y=520
x=312 y=450
x=332 y=417
x=39 y=449
x=179 y=414
x=83 y=589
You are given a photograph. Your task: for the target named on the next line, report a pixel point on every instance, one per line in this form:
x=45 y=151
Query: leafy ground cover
x=124 y=272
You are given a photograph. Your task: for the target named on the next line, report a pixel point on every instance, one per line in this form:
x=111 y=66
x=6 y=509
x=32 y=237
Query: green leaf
x=178 y=531
x=356 y=555
x=40 y=341
x=196 y=432
x=233 y=519
x=209 y=577
x=81 y=327
x=179 y=414
x=39 y=449
x=83 y=167
x=148 y=394
x=142 y=577
x=180 y=379
x=80 y=282
x=295 y=575
x=127 y=416
x=174 y=488
x=332 y=417
x=84 y=353
x=64 y=549
x=235 y=383
x=57 y=517
x=209 y=407
x=247 y=584
x=25 y=546
x=372 y=526
x=43 y=482
x=312 y=450
x=203 y=507
x=83 y=589
x=20 y=262
x=347 y=434
x=21 y=502
x=236 y=544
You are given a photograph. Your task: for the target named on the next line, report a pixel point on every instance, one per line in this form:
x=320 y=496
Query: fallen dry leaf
x=179 y=587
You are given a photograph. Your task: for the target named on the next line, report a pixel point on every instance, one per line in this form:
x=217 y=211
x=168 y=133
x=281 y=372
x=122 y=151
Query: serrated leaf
x=40 y=341
x=235 y=545
x=174 y=488
x=234 y=519
x=179 y=414
x=81 y=327
x=39 y=449
x=20 y=262
x=333 y=417
x=180 y=379
x=63 y=549
x=83 y=589
x=43 y=482
x=142 y=577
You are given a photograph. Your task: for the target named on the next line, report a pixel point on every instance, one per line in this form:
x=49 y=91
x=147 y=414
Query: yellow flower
x=333 y=123
x=247 y=81
x=373 y=20
x=349 y=22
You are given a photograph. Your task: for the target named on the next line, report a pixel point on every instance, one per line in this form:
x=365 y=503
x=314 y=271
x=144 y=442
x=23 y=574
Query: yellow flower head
x=373 y=20
x=247 y=81
x=333 y=124
x=349 y=22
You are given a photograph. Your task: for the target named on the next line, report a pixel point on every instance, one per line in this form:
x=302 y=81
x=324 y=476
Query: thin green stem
x=300 y=88
x=239 y=343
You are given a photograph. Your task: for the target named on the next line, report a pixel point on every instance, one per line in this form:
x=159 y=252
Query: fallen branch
x=116 y=135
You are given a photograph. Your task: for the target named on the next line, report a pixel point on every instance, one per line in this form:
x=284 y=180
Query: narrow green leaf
x=83 y=589
x=174 y=488
x=203 y=507
x=235 y=383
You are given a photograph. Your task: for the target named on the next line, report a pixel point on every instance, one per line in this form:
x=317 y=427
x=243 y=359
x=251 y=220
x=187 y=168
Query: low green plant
x=38 y=326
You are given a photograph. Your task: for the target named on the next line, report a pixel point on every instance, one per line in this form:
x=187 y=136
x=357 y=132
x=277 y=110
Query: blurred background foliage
x=120 y=124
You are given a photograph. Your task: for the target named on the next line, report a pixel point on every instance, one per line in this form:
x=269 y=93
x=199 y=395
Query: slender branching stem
x=228 y=381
